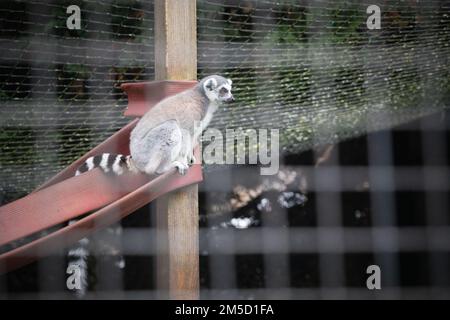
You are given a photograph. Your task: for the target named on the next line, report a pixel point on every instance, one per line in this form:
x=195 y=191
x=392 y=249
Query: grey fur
x=167 y=134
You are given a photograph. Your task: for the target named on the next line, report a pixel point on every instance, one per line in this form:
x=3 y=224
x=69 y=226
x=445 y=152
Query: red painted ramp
x=65 y=197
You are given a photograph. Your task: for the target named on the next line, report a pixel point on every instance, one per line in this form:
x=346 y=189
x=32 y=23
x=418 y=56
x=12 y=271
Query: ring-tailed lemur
x=164 y=138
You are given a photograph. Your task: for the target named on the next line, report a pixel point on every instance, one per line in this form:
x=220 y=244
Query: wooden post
x=177 y=213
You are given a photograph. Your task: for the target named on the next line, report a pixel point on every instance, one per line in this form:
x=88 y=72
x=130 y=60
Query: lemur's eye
x=223 y=91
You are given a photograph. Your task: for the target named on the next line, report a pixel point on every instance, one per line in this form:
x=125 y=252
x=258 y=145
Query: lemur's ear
x=210 y=84
x=230 y=82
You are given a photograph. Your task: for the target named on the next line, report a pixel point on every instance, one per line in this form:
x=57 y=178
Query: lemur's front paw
x=181 y=167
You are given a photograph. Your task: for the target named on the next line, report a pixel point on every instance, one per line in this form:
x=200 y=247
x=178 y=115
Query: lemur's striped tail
x=115 y=163
x=78 y=260
x=78 y=254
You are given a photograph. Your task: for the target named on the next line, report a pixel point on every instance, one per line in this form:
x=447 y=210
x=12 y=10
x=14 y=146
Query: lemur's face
x=218 y=89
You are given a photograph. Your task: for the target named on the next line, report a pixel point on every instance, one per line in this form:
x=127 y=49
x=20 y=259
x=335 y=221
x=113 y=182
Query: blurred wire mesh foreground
x=347 y=197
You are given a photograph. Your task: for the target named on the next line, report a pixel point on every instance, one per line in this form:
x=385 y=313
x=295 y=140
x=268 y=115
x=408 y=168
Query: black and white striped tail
x=78 y=254
x=115 y=163
x=78 y=260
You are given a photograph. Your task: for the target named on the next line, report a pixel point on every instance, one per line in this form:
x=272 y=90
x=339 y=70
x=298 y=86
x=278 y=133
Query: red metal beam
x=99 y=219
x=63 y=201
x=144 y=95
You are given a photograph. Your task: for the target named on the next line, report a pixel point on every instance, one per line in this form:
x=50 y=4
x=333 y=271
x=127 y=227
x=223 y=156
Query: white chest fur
x=212 y=107
x=208 y=116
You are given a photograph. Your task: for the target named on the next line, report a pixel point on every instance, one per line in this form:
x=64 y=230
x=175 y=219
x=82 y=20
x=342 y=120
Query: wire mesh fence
x=60 y=88
x=357 y=186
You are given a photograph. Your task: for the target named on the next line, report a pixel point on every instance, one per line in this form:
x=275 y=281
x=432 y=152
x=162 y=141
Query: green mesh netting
x=310 y=68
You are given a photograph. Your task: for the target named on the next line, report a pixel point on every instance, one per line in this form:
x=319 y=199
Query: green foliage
x=4 y=95
x=72 y=81
x=400 y=24
x=238 y=23
x=12 y=149
x=405 y=88
x=291 y=25
x=126 y=19
x=349 y=87
x=346 y=24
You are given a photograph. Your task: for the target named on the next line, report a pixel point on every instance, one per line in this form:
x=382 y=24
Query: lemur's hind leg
x=163 y=148
x=154 y=151
x=179 y=158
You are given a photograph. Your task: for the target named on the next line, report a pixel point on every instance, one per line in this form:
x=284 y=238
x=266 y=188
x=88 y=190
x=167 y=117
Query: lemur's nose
x=231 y=99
